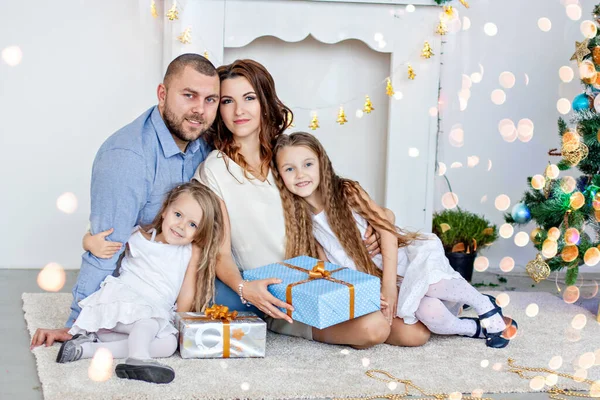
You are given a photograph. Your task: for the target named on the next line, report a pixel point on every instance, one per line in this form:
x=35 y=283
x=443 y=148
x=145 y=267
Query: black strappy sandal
x=477 y=331
x=495 y=339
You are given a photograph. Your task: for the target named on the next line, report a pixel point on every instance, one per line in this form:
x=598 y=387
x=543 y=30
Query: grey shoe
x=145 y=370
x=71 y=350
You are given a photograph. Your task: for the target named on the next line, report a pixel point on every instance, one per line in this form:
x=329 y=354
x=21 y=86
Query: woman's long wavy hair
x=275 y=116
x=340 y=196
x=207 y=239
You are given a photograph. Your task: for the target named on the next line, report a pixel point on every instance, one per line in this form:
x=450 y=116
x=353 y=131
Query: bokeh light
x=549 y=248
x=441 y=168
x=587 y=360
x=579 y=321
x=472 y=161
x=591 y=256
x=555 y=362
x=398 y=95
x=413 y=152
x=506 y=127
x=532 y=310
x=478 y=393
x=573 y=12
x=490 y=29
x=245 y=386
x=568 y=184
x=483 y=199
x=595 y=389
x=563 y=106
x=345 y=352
x=433 y=111
x=497 y=367
x=566 y=74
x=51 y=278
x=449 y=200
x=455 y=396
x=392 y=385
x=554 y=233
x=580 y=375
x=481 y=264
x=521 y=239
x=552 y=171
x=571 y=294
x=507 y=79
x=507 y=264
x=484 y=363
x=457 y=137
x=537 y=383
x=476 y=77
x=366 y=362
x=359 y=113
x=489 y=165
x=526 y=80
x=506 y=231
x=588 y=29
x=456 y=164
x=544 y=24
x=67 y=203
x=569 y=253
x=525 y=129
x=12 y=55
x=572 y=236
x=498 y=97
x=503 y=299
x=410 y=8
x=551 y=380
x=538 y=182
x=466 y=23
x=101 y=368
x=502 y=202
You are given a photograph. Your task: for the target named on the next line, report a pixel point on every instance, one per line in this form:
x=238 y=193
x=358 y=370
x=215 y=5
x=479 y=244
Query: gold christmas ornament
x=173 y=14
x=464 y=3
x=536 y=236
x=341 y=118
x=441 y=29
x=314 y=123
x=389 y=89
x=573 y=155
x=186 y=36
x=537 y=269
x=153 y=9
x=569 y=253
x=581 y=50
x=596 y=55
x=587 y=72
x=411 y=72
x=368 y=105
x=426 y=52
x=449 y=11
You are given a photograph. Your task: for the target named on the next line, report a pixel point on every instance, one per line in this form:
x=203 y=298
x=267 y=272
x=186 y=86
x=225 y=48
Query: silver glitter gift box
x=210 y=336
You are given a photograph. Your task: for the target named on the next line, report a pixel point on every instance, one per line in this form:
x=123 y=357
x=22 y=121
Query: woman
x=251 y=117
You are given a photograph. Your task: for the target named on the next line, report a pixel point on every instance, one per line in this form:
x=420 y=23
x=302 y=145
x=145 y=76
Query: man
x=138 y=164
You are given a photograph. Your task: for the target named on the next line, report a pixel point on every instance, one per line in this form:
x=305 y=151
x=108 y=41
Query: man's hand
x=49 y=336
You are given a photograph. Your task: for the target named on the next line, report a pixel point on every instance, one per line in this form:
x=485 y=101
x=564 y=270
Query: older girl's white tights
x=137 y=340
x=436 y=316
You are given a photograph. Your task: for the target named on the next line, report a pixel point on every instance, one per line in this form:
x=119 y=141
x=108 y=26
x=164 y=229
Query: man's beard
x=175 y=125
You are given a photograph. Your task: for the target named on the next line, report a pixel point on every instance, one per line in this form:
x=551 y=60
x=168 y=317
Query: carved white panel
x=218 y=24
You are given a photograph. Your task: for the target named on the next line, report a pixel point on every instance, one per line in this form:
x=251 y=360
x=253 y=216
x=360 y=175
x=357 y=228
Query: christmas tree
x=567 y=210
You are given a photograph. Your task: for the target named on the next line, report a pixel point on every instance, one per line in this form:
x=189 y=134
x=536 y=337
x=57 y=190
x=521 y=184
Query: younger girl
x=171 y=261
x=335 y=211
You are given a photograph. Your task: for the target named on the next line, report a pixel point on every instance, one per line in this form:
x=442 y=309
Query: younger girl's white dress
x=150 y=280
x=421 y=264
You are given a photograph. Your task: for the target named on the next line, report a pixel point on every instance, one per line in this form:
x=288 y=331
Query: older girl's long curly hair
x=341 y=196
x=207 y=239
x=275 y=116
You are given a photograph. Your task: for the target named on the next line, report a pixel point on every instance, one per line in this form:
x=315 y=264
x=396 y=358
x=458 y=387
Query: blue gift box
x=321 y=292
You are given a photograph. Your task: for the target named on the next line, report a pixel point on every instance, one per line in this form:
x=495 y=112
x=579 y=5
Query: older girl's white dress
x=420 y=264
x=150 y=279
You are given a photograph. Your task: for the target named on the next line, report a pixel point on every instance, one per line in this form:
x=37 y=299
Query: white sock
x=438 y=319
x=459 y=290
x=159 y=347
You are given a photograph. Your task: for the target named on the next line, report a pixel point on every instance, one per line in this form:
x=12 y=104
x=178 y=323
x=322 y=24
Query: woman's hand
x=49 y=336
x=257 y=294
x=371 y=241
x=99 y=246
x=389 y=293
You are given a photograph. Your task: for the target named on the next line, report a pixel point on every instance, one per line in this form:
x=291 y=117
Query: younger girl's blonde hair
x=340 y=196
x=208 y=237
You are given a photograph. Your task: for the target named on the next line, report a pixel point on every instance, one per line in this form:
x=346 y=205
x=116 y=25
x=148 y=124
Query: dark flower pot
x=462 y=263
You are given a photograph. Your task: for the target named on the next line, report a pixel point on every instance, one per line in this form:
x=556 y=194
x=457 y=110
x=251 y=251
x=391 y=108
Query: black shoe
x=477 y=331
x=496 y=340
x=145 y=370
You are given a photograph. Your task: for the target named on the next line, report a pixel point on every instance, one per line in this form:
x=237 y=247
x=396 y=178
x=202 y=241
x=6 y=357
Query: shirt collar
x=165 y=138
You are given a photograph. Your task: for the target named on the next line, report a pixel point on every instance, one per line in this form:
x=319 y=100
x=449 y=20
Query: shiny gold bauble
x=573 y=155
x=591 y=79
x=596 y=55
x=535 y=236
x=569 y=253
x=587 y=71
x=537 y=269
x=577 y=200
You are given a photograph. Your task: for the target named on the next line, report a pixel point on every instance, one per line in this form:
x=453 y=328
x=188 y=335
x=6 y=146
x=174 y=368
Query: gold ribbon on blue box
x=220 y=333
x=323 y=294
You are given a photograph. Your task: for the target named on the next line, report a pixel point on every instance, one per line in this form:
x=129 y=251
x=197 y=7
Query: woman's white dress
x=421 y=264
x=150 y=279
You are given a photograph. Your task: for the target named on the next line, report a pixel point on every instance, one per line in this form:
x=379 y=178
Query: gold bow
x=217 y=311
x=318 y=272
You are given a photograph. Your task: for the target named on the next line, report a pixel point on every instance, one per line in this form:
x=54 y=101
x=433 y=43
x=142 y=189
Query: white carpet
x=296 y=368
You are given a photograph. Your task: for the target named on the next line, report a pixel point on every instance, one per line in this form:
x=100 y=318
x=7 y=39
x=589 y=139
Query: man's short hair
x=196 y=61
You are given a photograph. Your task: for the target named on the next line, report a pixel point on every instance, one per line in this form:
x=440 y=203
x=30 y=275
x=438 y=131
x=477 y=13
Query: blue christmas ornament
x=581 y=102
x=520 y=213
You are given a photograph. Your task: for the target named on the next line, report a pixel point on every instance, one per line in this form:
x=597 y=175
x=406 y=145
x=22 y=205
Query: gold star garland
x=153 y=9
x=173 y=14
x=186 y=36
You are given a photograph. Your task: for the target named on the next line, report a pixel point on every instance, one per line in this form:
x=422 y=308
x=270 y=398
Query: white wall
x=88 y=68
x=521 y=48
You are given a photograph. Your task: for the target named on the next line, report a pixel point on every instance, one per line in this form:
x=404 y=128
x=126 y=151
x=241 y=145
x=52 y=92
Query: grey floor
x=18 y=376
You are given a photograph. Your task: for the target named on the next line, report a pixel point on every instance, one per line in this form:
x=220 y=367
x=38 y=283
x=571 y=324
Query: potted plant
x=463 y=234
